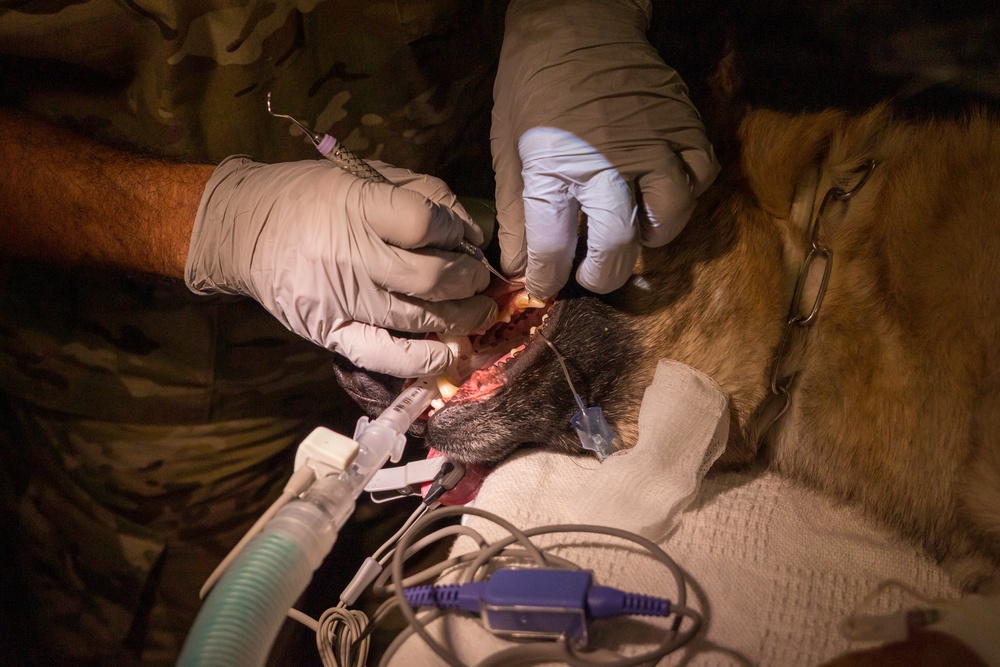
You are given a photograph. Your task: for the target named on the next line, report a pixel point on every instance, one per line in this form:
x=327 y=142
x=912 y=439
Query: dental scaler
x=345 y=158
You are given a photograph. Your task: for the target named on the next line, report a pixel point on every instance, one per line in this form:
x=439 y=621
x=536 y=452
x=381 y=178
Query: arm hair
x=69 y=200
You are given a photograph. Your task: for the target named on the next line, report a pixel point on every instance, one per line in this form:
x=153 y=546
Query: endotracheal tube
x=246 y=607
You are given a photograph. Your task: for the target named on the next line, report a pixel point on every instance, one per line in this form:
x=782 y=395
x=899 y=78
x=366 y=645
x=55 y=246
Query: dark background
x=930 y=58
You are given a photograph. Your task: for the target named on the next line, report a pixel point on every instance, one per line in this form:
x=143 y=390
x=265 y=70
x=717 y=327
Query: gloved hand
x=586 y=112
x=340 y=260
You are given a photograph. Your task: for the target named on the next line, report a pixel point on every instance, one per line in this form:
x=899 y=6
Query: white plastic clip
x=405 y=480
x=326 y=452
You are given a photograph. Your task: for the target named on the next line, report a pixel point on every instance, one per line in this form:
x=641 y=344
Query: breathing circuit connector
x=268 y=575
x=540 y=603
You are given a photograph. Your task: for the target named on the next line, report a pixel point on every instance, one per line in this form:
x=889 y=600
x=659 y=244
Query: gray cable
x=561 y=650
x=417 y=513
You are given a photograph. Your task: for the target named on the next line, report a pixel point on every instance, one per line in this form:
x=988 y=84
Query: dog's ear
x=779 y=149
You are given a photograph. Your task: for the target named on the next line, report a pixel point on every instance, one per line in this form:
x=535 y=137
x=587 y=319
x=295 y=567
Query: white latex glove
x=587 y=116
x=340 y=260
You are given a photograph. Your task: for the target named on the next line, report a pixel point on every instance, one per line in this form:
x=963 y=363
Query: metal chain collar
x=798 y=318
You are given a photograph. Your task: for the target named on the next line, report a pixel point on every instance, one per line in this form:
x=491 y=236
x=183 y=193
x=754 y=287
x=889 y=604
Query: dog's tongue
x=467 y=488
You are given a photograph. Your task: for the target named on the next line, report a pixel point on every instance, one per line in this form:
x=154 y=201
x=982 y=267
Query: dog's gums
x=485 y=360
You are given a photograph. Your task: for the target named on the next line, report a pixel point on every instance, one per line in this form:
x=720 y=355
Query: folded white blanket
x=773 y=568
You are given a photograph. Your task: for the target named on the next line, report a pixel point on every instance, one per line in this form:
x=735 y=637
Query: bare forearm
x=69 y=200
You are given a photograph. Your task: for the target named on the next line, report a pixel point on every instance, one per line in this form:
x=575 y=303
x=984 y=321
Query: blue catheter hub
x=593 y=431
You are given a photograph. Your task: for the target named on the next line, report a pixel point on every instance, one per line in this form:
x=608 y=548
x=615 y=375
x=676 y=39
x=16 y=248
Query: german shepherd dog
x=841 y=281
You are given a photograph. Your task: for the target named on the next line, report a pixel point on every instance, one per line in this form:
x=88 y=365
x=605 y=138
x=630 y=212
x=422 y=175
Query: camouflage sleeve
x=157 y=424
x=404 y=81
x=101 y=35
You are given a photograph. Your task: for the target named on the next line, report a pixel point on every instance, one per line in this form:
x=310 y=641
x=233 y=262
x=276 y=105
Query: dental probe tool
x=345 y=158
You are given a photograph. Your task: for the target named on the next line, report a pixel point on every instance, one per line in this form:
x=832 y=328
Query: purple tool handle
x=326 y=144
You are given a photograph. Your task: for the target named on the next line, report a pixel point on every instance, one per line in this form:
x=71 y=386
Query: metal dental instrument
x=345 y=158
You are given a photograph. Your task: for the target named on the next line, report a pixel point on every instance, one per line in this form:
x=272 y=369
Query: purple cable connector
x=456 y=596
x=538 y=602
x=604 y=601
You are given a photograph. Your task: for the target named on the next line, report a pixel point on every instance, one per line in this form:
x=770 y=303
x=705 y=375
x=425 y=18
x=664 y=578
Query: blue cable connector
x=538 y=603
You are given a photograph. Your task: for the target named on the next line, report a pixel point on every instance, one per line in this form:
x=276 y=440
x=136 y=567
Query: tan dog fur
x=895 y=406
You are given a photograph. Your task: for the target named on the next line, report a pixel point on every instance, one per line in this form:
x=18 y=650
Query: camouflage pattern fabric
x=146 y=427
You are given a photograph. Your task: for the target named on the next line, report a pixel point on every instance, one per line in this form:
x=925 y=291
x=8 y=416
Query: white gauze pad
x=683 y=428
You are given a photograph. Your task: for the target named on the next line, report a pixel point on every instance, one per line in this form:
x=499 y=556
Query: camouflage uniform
x=145 y=427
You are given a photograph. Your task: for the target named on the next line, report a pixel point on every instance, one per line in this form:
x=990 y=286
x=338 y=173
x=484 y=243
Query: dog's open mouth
x=487 y=361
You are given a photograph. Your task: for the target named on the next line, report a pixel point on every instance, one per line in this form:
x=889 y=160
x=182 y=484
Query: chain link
x=798 y=319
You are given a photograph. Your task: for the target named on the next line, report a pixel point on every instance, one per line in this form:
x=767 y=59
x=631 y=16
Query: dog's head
x=716 y=298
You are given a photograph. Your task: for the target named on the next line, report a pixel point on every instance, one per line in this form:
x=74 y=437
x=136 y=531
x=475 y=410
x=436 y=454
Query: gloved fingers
x=686 y=138
x=403 y=313
x=434 y=189
x=612 y=233
x=430 y=274
x=701 y=164
x=551 y=218
x=474 y=314
x=408 y=219
x=667 y=200
x=510 y=205
x=377 y=350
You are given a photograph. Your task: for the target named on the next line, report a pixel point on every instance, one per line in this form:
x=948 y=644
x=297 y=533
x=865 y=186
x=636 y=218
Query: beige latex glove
x=587 y=116
x=340 y=260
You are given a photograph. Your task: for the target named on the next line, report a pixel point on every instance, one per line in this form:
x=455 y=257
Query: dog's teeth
x=514 y=352
x=436 y=405
x=446 y=387
x=524 y=301
x=533 y=330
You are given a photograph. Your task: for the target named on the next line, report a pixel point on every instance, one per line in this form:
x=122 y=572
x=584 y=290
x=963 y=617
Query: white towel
x=683 y=427
x=772 y=567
